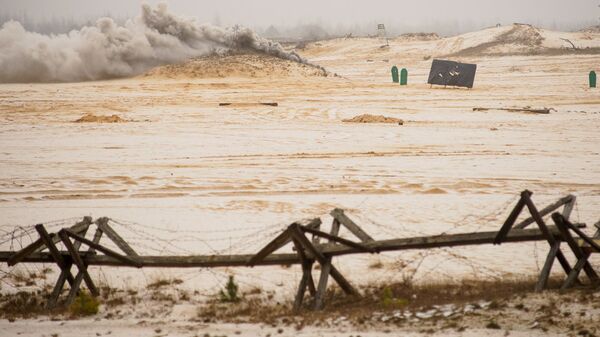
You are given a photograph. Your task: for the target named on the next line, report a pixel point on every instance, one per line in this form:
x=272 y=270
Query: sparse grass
x=163 y=282
x=404 y=295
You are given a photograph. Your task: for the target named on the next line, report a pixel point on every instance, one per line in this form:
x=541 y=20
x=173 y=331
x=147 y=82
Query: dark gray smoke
x=108 y=50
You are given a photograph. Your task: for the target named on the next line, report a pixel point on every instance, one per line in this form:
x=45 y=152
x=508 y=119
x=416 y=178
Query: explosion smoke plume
x=108 y=50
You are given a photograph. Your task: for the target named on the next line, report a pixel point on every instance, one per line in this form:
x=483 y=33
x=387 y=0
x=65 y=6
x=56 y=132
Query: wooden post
x=545 y=273
x=325 y=270
x=341 y=218
x=82 y=274
x=549 y=237
x=337 y=276
x=510 y=221
x=582 y=257
x=306 y=279
x=116 y=238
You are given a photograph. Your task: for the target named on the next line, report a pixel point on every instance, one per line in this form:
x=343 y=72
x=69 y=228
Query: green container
x=592 y=79
x=395 y=74
x=403 y=76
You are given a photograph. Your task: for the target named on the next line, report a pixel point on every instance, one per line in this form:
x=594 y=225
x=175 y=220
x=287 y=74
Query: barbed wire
x=248 y=239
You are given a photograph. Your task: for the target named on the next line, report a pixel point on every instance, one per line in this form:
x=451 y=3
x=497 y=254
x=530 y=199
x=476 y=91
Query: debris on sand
x=526 y=109
x=249 y=104
x=367 y=118
x=91 y=118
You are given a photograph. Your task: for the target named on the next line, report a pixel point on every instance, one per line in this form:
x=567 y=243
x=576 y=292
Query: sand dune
x=236 y=65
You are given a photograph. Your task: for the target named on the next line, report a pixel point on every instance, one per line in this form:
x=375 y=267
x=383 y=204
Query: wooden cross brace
x=537 y=218
x=308 y=253
x=72 y=238
x=582 y=255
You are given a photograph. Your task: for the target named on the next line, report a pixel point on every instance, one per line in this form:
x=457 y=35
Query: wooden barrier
x=307 y=252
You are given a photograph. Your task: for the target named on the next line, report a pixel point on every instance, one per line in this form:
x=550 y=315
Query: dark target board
x=452 y=73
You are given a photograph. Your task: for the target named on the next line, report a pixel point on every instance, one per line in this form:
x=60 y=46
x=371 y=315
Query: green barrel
x=403 y=76
x=395 y=74
x=592 y=79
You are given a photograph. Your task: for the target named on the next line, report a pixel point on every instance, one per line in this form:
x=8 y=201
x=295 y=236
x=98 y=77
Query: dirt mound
x=91 y=118
x=520 y=39
x=367 y=118
x=420 y=36
x=236 y=65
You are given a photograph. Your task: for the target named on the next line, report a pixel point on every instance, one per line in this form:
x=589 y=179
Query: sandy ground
x=205 y=179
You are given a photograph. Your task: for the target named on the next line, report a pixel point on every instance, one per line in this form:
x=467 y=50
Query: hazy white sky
x=328 y=12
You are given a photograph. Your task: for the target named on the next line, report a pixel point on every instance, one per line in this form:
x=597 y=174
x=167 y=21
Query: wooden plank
x=545 y=211
x=343 y=219
x=125 y=259
x=115 y=237
x=545 y=273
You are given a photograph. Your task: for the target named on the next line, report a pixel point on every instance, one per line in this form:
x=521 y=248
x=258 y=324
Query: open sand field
x=183 y=175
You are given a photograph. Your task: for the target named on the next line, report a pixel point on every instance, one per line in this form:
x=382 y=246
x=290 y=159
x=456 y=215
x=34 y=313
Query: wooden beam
x=335 y=238
x=510 y=221
x=79 y=227
x=19 y=256
x=125 y=259
x=38 y=245
x=545 y=273
x=566 y=213
x=304 y=280
x=208 y=261
x=279 y=241
x=115 y=237
x=547 y=210
x=561 y=223
x=337 y=276
x=58 y=259
x=574 y=274
x=81 y=265
x=594 y=243
x=325 y=270
x=343 y=219
x=549 y=237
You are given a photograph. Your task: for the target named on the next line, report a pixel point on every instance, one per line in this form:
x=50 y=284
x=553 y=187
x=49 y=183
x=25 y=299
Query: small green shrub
x=84 y=305
x=230 y=293
x=389 y=301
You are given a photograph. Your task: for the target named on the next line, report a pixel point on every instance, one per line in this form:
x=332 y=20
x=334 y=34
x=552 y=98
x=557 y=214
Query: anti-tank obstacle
x=311 y=246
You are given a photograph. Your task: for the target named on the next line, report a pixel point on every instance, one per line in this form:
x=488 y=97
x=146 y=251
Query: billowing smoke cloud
x=108 y=50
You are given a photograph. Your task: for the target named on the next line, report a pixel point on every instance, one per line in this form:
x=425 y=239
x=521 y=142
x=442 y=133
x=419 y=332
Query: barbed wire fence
x=157 y=240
